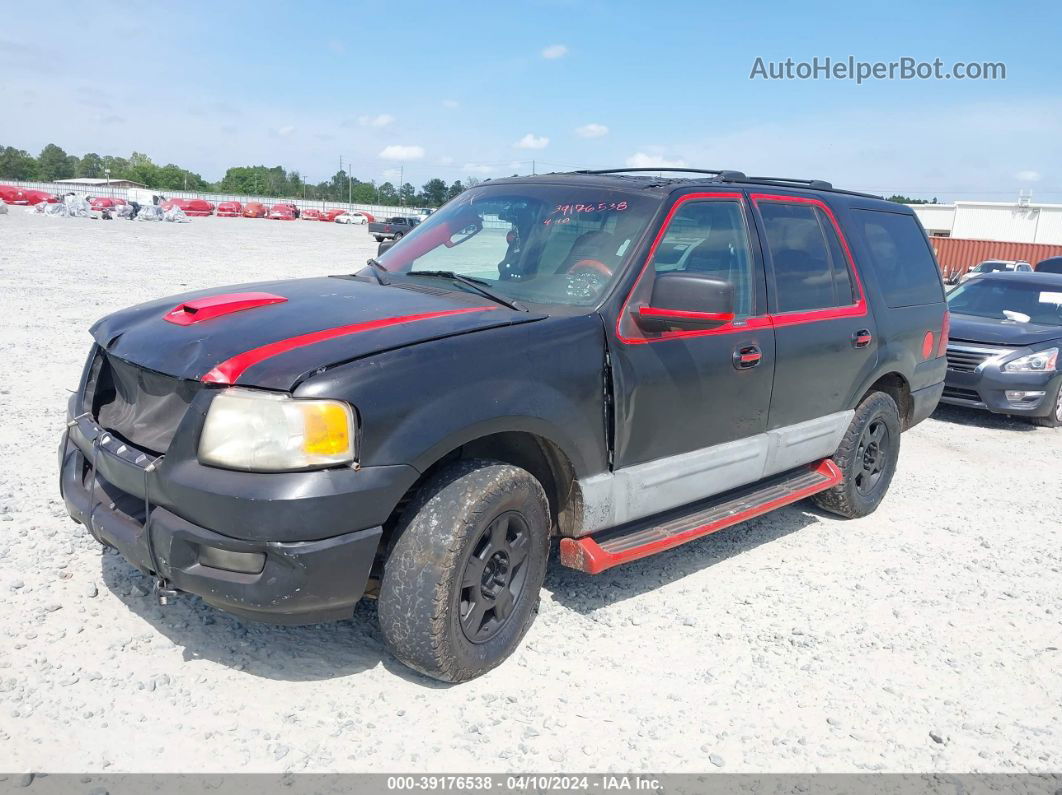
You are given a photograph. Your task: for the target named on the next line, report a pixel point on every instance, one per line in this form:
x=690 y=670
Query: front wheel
x=461 y=584
x=866 y=457
x=1054 y=419
x=378 y=238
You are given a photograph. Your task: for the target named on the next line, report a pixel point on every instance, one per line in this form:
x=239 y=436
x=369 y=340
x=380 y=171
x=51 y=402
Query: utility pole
x=401 y=182
x=532 y=168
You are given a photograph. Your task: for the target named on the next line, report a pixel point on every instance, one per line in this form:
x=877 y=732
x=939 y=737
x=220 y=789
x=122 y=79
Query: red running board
x=614 y=547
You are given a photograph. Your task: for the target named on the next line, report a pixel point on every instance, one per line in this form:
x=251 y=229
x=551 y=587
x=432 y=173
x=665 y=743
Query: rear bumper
x=924 y=402
x=103 y=484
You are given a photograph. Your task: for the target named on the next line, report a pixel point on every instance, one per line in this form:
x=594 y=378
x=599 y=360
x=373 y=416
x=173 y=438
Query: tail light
x=945 y=327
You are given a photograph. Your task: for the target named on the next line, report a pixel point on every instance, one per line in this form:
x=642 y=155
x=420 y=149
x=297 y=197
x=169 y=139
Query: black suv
x=624 y=362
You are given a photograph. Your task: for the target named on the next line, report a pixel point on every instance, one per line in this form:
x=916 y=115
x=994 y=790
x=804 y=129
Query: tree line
x=53 y=163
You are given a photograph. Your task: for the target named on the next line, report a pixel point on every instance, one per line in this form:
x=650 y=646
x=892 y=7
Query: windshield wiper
x=378 y=271
x=480 y=286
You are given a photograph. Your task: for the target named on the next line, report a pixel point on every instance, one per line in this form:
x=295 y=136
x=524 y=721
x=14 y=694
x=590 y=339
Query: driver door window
x=710 y=237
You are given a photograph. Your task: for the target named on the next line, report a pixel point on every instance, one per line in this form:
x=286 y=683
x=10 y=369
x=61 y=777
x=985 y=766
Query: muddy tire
x=866 y=457
x=461 y=583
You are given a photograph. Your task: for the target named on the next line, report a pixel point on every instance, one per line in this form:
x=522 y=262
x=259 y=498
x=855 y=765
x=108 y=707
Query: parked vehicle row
x=394 y=228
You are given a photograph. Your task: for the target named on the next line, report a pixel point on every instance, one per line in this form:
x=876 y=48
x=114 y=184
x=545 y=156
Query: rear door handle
x=748 y=356
x=862 y=338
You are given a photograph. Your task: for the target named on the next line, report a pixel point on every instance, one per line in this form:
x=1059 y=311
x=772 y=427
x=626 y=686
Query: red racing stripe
x=229 y=371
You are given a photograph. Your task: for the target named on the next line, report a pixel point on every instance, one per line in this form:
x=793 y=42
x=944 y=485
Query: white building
x=99 y=182
x=1010 y=221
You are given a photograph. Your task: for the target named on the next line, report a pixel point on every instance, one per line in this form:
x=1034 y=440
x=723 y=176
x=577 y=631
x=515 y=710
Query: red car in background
x=255 y=210
x=25 y=197
x=191 y=207
x=105 y=203
x=311 y=215
x=230 y=210
x=331 y=215
x=282 y=212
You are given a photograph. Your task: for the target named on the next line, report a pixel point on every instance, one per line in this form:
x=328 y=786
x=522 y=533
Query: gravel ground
x=924 y=638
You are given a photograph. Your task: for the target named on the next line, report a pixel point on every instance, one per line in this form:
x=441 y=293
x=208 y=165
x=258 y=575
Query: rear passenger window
x=710 y=237
x=810 y=268
x=902 y=259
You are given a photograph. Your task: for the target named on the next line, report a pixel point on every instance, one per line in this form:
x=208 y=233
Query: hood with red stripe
x=274 y=334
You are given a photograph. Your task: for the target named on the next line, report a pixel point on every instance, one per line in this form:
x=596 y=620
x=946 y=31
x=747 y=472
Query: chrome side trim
x=631 y=493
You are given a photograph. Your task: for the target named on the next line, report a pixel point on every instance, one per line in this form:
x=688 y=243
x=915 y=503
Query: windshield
x=1022 y=301
x=549 y=244
x=988 y=267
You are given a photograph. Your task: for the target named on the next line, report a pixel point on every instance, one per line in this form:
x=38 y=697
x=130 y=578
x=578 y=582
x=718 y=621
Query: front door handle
x=748 y=356
x=862 y=338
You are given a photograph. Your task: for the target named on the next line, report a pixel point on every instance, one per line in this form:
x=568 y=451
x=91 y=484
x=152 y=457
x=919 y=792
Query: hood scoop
x=201 y=309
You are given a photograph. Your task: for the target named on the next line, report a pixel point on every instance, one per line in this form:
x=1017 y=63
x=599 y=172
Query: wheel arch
x=533 y=451
x=896 y=386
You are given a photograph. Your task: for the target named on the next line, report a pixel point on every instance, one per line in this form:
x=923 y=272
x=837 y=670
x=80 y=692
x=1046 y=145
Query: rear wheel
x=397 y=237
x=461 y=584
x=866 y=457
x=1054 y=419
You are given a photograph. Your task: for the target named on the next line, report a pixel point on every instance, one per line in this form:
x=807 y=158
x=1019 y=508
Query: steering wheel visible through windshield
x=547 y=244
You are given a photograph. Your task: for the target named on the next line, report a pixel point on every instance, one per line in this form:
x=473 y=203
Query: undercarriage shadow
x=959 y=415
x=286 y=653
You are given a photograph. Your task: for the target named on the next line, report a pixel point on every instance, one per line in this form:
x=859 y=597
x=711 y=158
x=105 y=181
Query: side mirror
x=384 y=245
x=687 y=301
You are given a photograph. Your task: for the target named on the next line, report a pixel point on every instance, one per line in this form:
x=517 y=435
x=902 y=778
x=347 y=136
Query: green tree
x=388 y=194
x=90 y=165
x=118 y=167
x=455 y=189
x=406 y=194
x=53 y=164
x=433 y=193
x=364 y=193
x=907 y=200
x=17 y=163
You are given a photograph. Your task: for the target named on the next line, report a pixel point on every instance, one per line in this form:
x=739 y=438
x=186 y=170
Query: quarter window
x=710 y=237
x=810 y=268
x=902 y=258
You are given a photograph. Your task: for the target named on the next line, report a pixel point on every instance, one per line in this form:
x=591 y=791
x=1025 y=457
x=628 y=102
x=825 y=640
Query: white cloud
x=399 y=152
x=445 y=160
x=531 y=141
x=286 y=130
x=643 y=160
x=381 y=120
x=591 y=130
x=1028 y=175
x=555 y=51
x=451 y=103
x=477 y=168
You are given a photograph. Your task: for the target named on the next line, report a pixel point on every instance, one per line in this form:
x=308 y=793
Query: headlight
x=1039 y=362
x=267 y=432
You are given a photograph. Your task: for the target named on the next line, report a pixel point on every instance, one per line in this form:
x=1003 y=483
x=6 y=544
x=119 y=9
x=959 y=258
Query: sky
x=427 y=89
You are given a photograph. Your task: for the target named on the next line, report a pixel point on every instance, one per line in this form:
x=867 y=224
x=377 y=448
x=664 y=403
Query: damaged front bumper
x=283 y=556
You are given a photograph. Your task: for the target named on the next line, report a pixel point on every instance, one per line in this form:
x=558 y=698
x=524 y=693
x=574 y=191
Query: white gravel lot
x=926 y=637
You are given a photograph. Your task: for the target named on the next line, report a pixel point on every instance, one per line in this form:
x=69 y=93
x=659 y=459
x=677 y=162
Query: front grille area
x=957 y=393
x=139 y=406
x=966 y=358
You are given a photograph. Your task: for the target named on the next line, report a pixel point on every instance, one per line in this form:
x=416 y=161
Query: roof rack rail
x=814 y=184
x=735 y=176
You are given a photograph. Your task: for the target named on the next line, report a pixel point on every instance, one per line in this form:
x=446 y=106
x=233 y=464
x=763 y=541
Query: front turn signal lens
x=327 y=427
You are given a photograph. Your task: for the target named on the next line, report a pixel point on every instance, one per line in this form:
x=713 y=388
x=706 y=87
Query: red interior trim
x=722 y=317
x=587 y=555
x=230 y=370
x=201 y=309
